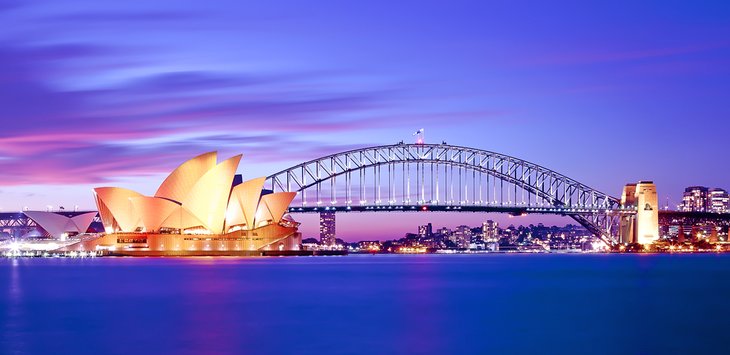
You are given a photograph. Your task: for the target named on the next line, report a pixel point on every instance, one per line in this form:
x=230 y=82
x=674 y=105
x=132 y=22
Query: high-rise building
x=694 y=199
x=327 y=228
x=702 y=199
x=489 y=231
x=462 y=237
x=718 y=201
x=425 y=231
x=490 y=234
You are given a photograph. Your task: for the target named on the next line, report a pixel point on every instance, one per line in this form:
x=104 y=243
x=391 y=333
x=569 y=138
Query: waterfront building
x=327 y=235
x=310 y=244
x=199 y=209
x=718 y=201
x=369 y=245
x=492 y=246
x=60 y=225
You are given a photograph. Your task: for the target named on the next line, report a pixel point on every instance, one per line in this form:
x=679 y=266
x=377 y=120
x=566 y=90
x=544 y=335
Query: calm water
x=441 y=304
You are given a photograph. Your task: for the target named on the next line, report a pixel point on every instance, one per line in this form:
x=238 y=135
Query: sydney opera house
x=201 y=208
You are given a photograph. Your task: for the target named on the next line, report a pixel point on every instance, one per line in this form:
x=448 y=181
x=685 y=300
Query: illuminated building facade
x=647 y=213
x=201 y=208
x=425 y=231
x=694 y=199
x=327 y=234
x=702 y=199
x=61 y=225
x=462 y=237
x=642 y=227
x=626 y=226
x=490 y=232
x=718 y=200
x=370 y=245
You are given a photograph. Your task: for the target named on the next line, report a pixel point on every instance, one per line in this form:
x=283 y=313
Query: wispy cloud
x=69 y=117
x=146 y=125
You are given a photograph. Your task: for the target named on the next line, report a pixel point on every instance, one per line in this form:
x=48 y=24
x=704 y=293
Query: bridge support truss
x=441 y=176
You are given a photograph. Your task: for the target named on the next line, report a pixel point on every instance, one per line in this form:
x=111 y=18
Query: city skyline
x=90 y=98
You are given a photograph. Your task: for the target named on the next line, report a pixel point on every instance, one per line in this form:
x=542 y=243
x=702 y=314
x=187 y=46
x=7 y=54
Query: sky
x=99 y=93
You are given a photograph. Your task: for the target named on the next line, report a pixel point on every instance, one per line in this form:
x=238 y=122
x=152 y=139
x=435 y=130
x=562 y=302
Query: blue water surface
x=368 y=304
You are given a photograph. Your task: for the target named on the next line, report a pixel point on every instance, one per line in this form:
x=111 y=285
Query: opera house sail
x=199 y=209
x=59 y=226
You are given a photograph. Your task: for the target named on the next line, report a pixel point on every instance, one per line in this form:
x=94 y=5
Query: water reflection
x=13 y=323
x=209 y=321
x=363 y=304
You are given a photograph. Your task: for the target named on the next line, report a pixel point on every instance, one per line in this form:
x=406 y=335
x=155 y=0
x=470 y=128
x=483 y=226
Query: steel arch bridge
x=441 y=177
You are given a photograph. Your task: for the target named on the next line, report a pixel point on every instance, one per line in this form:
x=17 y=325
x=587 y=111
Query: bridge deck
x=513 y=210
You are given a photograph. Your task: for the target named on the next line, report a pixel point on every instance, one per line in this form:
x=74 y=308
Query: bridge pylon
x=642 y=226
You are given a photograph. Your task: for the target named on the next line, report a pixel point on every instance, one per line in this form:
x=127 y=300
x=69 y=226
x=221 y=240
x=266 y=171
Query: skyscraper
x=327 y=235
x=718 y=201
x=489 y=231
x=694 y=199
x=425 y=231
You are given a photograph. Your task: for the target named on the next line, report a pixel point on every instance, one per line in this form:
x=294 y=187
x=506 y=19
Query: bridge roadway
x=512 y=210
x=666 y=217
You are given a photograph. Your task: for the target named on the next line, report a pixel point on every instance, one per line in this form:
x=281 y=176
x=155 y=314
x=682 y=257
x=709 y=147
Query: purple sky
x=118 y=93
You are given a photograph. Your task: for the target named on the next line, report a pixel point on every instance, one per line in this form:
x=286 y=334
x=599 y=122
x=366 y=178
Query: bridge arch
x=443 y=176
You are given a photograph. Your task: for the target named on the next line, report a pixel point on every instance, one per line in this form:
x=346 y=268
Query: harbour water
x=367 y=304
